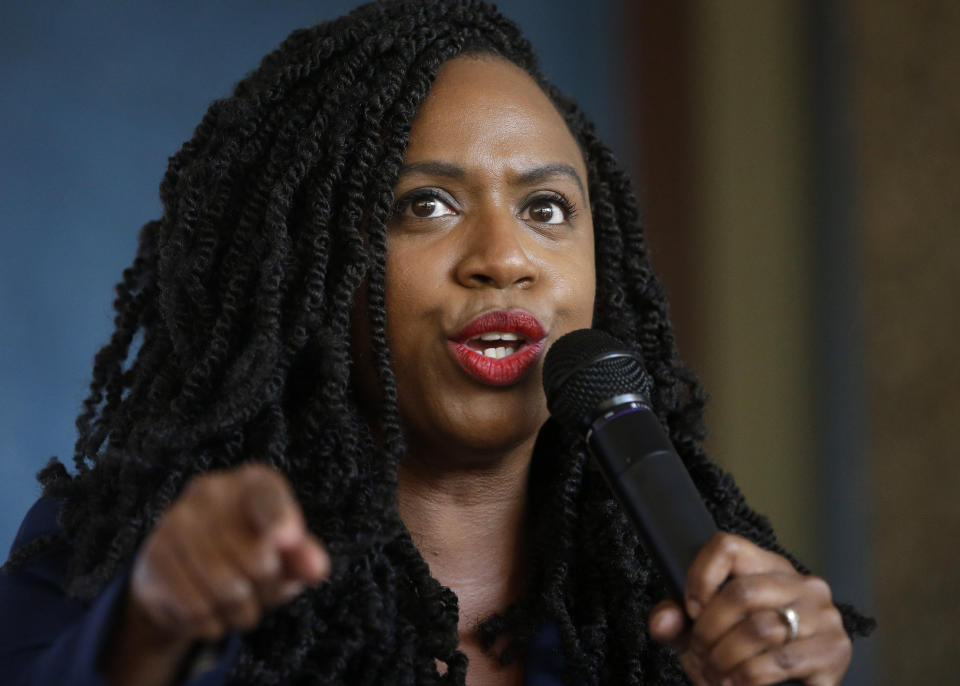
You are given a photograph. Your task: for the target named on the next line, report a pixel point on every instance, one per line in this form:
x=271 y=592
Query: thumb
x=669 y=625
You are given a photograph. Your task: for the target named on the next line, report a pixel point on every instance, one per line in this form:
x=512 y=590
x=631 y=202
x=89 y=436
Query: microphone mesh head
x=584 y=369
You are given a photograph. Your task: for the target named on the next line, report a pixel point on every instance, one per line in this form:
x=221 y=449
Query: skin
x=235 y=543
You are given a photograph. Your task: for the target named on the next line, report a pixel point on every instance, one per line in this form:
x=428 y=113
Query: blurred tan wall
x=727 y=139
x=721 y=105
x=907 y=68
x=754 y=263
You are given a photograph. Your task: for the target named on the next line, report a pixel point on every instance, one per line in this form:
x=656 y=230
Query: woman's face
x=489 y=259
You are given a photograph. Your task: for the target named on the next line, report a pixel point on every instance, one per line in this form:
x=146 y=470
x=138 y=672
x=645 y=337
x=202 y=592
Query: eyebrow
x=529 y=176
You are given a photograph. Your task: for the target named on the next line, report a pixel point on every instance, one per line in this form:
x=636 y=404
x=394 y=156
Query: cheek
x=414 y=274
x=576 y=280
x=413 y=305
x=588 y=285
x=588 y=291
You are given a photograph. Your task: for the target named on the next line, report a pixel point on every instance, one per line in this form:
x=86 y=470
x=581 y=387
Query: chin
x=495 y=440
x=479 y=439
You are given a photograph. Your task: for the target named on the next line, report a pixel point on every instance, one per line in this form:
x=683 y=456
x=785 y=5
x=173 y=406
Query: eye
x=549 y=209
x=424 y=204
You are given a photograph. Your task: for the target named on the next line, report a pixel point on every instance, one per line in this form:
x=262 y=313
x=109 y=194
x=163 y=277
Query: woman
x=330 y=461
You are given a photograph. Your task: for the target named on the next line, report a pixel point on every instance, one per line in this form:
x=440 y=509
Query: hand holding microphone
x=753 y=618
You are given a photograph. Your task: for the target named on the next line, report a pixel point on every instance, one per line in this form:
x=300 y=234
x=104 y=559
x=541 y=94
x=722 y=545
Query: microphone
x=596 y=385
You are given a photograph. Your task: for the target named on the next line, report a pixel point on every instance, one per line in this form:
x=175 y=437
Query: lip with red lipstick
x=497 y=348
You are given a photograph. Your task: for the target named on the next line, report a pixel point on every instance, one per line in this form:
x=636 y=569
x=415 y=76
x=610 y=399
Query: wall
x=907 y=62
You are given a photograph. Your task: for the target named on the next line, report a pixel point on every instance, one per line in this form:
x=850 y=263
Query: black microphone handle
x=654 y=489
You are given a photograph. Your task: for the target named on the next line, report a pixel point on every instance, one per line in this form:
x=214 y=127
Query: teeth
x=498 y=353
x=498 y=336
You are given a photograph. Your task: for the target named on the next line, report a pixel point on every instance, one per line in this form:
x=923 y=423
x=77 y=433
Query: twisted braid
x=241 y=298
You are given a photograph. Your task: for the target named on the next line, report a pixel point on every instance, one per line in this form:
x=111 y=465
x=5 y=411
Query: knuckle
x=785 y=659
x=817 y=587
x=231 y=589
x=199 y=484
x=148 y=596
x=262 y=565
x=741 y=591
x=835 y=622
x=173 y=520
x=843 y=648
x=763 y=627
x=254 y=470
x=260 y=473
x=202 y=488
x=728 y=544
x=239 y=590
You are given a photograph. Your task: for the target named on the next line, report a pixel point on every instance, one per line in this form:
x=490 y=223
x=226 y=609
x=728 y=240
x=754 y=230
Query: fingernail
x=693 y=608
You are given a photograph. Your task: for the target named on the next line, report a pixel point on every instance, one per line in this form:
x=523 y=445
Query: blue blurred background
x=799 y=163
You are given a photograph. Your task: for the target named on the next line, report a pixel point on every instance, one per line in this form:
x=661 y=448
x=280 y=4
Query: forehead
x=485 y=110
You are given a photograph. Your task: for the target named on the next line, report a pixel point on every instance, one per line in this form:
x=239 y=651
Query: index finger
x=269 y=506
x=723 y=556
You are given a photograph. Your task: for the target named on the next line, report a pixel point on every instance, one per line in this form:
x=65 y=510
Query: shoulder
x=40 y=521
x=37 y=552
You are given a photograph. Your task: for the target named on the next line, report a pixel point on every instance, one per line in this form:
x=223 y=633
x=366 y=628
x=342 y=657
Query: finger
x=277 y=575
x=226 y=590
x=264 y=566
x=668 y=624
x=168 y=594
x=232 y=592
x=274 y=570
x=819 y=660
x=308 y=562
x=257 y=558
x=693 y=668
x=269 y=506
x=723 y=556
x=758 y=632
x=738 y=599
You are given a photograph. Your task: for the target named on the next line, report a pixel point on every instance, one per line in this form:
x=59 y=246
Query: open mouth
x=499 y=347
x=496 y=344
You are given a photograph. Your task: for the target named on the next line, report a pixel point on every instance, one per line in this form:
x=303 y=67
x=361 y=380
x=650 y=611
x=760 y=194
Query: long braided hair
x=232 y=343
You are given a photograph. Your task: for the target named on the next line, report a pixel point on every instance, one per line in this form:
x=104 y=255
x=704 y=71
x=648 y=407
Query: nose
x=496 y=253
